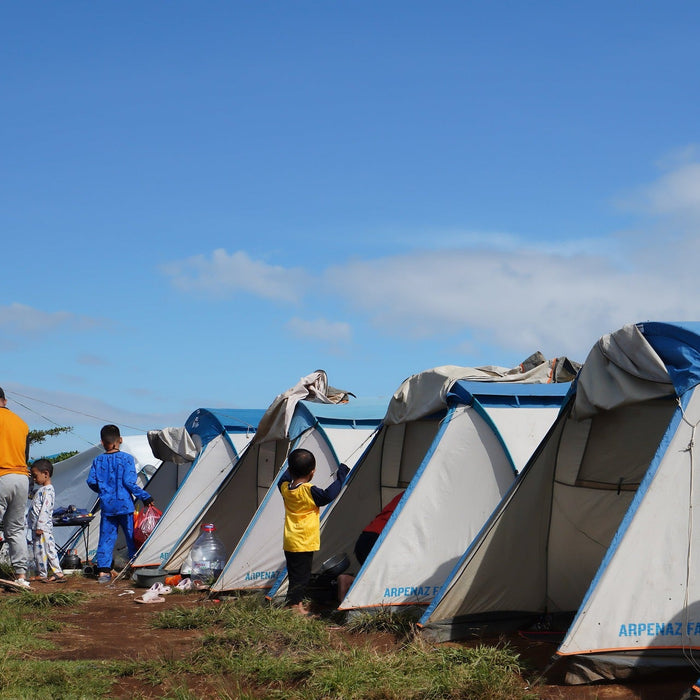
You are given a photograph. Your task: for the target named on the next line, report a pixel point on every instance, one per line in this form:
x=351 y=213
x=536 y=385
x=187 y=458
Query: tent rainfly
x=597 y=537
x=451 y=441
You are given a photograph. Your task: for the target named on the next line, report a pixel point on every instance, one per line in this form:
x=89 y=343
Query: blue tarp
x=678 y=346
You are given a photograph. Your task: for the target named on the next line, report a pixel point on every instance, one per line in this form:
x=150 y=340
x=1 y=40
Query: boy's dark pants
x=298 y=575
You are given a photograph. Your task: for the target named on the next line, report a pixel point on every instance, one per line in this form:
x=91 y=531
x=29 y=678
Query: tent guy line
x=65 y=408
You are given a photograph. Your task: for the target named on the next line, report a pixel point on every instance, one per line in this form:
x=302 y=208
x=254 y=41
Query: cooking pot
x=147 y=576
x=71 y=561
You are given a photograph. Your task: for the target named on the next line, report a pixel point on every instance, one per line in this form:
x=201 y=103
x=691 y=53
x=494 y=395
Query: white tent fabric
x=442 y=508
x=202 y=454
x=173 y=445
x=216 y=460
x=258 y=558
x=598 y=535
x=274 y=425
x=455 y=457
x=292 y=417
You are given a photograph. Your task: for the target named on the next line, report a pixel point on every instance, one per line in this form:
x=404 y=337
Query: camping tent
x=198 y=458
x=597 y=536
x=451 y=441
x=334 y=432
x=70 y=483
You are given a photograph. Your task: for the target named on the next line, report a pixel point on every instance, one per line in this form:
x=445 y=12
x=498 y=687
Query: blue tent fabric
x=678 y=346
x=506 y=393
x=359 y=412
x=208 y=423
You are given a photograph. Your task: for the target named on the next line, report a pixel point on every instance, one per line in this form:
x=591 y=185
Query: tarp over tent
x=451 y=440
x=599 y=530
x=198 y=458
x=335 y=432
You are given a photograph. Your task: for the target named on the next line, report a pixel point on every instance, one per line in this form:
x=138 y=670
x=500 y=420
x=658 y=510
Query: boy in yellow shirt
x=302 y=536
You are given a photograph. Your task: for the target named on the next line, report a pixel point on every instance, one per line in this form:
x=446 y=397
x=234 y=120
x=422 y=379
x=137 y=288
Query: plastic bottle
x=186 y=568
x=208 y=556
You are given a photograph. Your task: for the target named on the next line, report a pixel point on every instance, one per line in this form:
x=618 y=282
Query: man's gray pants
x=14 y=493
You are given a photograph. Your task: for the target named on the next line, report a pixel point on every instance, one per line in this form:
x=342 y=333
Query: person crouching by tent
x=302 y=531
x=366 y=541
x=113 y=476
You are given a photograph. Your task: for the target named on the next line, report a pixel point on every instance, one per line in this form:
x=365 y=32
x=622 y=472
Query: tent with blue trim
x=597 y=538
x=244 y=510
x=198 y=459
x=452 y=440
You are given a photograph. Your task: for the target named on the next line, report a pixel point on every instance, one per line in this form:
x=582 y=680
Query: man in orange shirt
x=14 y=486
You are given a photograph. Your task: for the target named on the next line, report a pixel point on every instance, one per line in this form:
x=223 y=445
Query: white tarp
x=425 y=393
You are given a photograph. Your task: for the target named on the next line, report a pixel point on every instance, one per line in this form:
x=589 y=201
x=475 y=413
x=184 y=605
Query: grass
x=401 y=624
x=250 y=649
x=289 y=656
x=52 y=599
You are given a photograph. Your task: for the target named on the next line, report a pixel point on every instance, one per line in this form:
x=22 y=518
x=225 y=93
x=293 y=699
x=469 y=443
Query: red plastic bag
x=144 y=522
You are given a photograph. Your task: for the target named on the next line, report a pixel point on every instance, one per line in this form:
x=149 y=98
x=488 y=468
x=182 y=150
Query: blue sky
x=202 y=202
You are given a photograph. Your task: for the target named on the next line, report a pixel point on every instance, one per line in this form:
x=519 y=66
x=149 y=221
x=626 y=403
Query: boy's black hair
x=301 y=463
x=42 y=465
x=110 y=434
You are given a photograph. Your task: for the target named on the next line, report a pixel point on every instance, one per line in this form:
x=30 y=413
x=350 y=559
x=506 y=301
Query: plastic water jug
x=208 y=556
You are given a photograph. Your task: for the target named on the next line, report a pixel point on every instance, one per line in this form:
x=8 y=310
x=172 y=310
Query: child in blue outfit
x=113 y=477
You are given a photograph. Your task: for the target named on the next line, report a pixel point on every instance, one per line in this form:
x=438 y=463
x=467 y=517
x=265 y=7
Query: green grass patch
x=401 y=624
x=53 y=680
x=286 y=655
x=53 y=599
x=251 y=649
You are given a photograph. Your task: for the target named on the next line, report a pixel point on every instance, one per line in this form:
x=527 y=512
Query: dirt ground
x=109 y=625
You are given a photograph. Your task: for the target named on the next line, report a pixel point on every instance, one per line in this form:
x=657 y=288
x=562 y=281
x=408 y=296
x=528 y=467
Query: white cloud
x=525 y=299
x=334 y=332
x=497 y=289
x=676 y=192
x=675 y=195
x=25 y=320
x=223 y=274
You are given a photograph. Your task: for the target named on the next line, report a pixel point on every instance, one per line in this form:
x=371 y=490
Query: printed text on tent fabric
x=412 y=591
x=659 y=629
